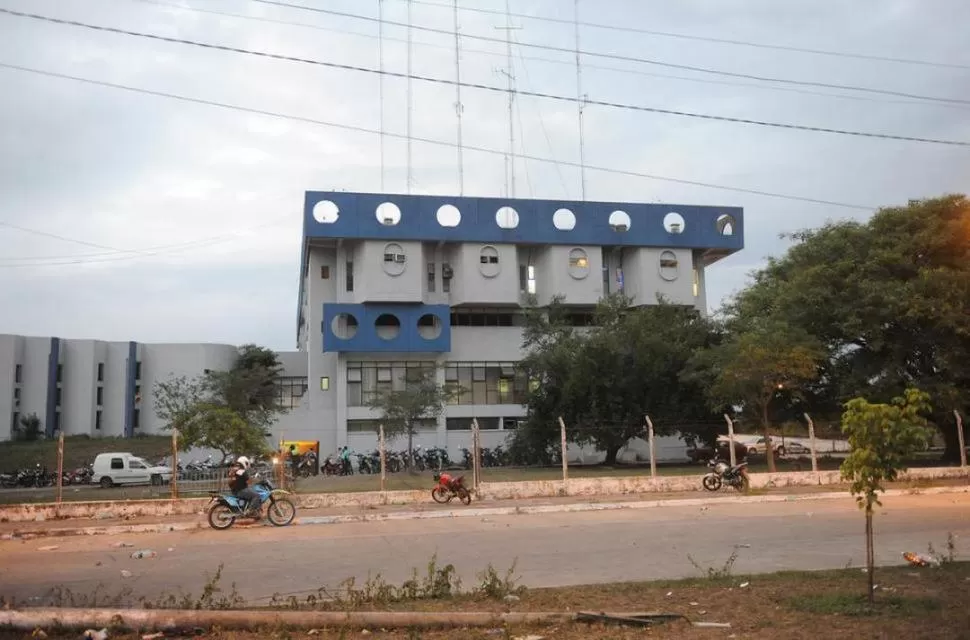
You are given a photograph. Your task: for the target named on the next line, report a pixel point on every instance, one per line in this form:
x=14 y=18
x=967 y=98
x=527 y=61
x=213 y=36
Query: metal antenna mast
x=510 y=75
x=410 y=102
x=380 y=55
x=580 y=102
x=458 y=105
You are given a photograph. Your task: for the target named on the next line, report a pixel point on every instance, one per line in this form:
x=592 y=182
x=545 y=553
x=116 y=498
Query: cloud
x=220 y=192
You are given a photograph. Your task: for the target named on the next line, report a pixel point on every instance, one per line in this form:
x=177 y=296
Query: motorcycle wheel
x=441 y=495
x=743 y=484
x=464 y=496
x=221 y=517
x=711 y=482
x=281 y=512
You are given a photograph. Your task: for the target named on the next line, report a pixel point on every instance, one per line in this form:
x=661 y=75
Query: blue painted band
x=53 y=360
x=409 y=339
x=356 y=217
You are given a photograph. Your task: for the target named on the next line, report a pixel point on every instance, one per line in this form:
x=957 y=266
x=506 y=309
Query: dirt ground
x=912 y=603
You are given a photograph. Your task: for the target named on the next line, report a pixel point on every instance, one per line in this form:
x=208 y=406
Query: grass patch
x=841 y=604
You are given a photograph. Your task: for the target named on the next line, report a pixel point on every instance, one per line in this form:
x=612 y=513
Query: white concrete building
x=389 y=283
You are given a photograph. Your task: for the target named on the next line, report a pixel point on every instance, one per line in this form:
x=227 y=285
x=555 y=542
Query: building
x=391 y=283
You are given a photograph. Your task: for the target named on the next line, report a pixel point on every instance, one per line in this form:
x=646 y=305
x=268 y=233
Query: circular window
x=578 y=264
x=488 y=262
x=507 y=218
x=388 y=326
x=674 y=223
x=394 y=261
x=325 y=212
x=620 y=221
x=669 y=266
x=725 y=225
x=448 y=215
x=429 y=326
x=388 y=214
x=564 y=220
x=344 y=326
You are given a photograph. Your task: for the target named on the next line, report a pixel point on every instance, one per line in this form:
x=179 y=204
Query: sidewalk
x=429 y=510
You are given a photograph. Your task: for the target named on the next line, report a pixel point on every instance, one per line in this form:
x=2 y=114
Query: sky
x=127 y=216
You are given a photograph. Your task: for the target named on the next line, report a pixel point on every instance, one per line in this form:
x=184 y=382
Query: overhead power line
x=685 y=36
x=614 y=56
x=484 y=87
x=441 y=143
x=586 y=65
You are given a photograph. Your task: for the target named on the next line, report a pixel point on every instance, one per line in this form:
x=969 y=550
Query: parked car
x=777 y=443
x=723 y=451
x=111 y=469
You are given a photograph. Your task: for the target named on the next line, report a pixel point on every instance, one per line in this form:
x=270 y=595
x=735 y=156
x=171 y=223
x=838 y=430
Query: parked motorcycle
x=449 y=488
x=225 y=508
x=721 y=472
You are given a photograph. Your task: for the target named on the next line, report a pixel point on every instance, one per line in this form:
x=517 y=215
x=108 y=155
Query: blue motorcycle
x=225 y=508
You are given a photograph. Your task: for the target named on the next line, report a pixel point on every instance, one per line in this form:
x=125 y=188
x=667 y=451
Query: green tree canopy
x=888 y=299
x=605 y=378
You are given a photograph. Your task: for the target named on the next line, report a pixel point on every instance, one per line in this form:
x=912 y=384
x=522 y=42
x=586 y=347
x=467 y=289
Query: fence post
x=565 y=458
x=60 y=466
x=730 y=424
x=811 y=436
x=175 y=464
x=963 y=445
x=653 y=448
x=383 y=460
x=476 y=456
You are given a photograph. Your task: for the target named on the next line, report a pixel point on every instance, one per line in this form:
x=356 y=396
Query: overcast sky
x=216 y=195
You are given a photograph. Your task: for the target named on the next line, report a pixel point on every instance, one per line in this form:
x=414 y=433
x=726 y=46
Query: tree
x=605 y=378
x=758 y=367
x=421 y=399
x=29 y=427
x=225 y=410
x=881 y=437
x=888 y=301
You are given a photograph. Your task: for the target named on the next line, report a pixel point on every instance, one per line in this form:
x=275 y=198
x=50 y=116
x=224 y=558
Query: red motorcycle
x=448 y=488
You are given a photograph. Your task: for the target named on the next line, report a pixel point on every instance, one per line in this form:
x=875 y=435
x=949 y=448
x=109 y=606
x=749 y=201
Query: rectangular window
x=368 y=380
x=510 y=424
x=446 y=274
x=523 y=278
x=60 y=372
x=486 y=383
x=16 y=393
x=57 y=421
x=117 y=463
x=15 y=422
x=291 y=389
x=432 y=276
x=532 y=279
x=325 y=383
x=99 y=396
x=138 y=370
x=350 y=275
x=136 y=419
x=465 y=424
x=668 y=263
x=18 y=374
x=97 y=420
x=57 y=396
x=325 y=272
x=697 y=283
x=137 y=392
x=100 y=372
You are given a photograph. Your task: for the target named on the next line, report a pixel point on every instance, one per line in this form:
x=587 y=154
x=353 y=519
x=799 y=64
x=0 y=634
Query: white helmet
x=244 y=461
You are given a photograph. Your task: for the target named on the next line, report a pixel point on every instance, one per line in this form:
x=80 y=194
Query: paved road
x=554 y=549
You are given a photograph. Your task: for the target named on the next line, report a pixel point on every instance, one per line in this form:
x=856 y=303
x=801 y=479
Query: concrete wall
x=488 y=283
x=555 y=277
x=644 y=277
x=376 y=280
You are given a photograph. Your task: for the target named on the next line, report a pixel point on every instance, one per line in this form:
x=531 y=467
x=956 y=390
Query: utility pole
x=510 y=76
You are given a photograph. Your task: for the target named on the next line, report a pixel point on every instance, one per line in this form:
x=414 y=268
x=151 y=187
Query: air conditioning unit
x=400 y=258
x=447 y=273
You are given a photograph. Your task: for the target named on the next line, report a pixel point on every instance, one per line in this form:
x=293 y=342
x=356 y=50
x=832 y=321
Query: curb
x=578 y=507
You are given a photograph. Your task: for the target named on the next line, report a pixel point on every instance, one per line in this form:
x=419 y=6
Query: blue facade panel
x=53 y=359
x=409 y=339
x=130 y=371
x=356 y=218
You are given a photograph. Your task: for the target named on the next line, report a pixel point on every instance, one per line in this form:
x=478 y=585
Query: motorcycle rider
x=239 y=476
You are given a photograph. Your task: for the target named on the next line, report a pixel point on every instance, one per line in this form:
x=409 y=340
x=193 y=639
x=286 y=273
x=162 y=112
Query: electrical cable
x=684 y=36
x=587 y=101
x=760 y=87
x=613 y=56
x=441 y=143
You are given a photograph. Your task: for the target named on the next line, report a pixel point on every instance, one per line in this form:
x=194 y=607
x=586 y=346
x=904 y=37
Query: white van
x=111 y=469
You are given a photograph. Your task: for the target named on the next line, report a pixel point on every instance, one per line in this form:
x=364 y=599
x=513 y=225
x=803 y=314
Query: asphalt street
x=550 y=549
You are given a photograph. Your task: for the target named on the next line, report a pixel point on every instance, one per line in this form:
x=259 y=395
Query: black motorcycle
x=721 y=472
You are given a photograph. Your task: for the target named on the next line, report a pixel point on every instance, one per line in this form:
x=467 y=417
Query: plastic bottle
x=144 y=553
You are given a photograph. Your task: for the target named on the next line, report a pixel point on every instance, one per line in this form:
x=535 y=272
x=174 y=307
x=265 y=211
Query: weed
x=492 y=585
x=206 y=600
x=951 y=550
x=715 y=573
x=61 y=596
